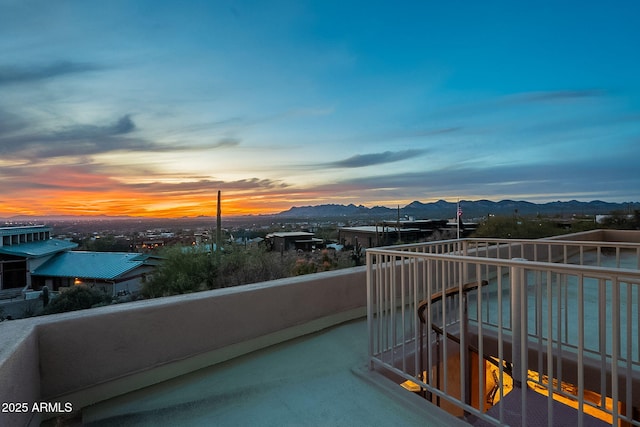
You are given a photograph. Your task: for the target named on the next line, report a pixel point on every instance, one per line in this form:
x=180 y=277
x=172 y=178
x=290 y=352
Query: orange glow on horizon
x=82 y=191
x=120 y=200
x=137 y=205
x=75 y=191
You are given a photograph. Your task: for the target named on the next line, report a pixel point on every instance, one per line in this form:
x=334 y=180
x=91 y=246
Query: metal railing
x=558 y=316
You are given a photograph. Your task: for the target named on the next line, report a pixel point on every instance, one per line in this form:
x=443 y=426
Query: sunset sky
x=150 y=107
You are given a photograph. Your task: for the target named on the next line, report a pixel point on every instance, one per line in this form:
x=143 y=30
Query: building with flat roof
x=370 y=236
x=23 y=250
x=387 y=233
x=292 y=240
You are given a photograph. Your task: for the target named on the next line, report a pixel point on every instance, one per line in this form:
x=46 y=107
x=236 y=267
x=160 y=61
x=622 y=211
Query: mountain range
x=470 y=209
x=418 y=210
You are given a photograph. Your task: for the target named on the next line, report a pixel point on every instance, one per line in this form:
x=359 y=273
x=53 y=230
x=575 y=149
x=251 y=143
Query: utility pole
x=214 y=260
x=218 y=229
x=458 y=218
x=398 y=226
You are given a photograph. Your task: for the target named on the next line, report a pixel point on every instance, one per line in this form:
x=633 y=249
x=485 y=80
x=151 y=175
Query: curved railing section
x=563 y=315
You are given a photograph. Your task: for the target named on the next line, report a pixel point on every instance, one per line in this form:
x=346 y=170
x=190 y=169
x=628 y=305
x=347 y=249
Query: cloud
x=226 y=143
x=465 y=114
x=553 y=96
x=86 y=188
x=69 y=177
x=408 y=134
x=603 y=178
x=122 y=126
x=21 y=139
x=78 y=140
x=205 y=185
x=10 y=123
x=26 y=74
x=363 y=160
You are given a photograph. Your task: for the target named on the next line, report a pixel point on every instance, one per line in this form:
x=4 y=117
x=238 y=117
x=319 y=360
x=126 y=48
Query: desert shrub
x=304 y=266
x=183 y=270
x=517 y=228
x=76 y=298
x=239 y=265
x=190 y=269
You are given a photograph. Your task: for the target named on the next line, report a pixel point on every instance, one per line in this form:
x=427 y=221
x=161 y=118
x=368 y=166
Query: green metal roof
x=93 y=265
x=38 y=248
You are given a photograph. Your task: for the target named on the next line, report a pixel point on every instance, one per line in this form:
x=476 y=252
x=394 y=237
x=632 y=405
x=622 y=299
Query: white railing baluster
x=500 y=342
x=629 y=350
x=549 y=349
x=580 y=321
x=615 y=335
x=602 y=334
x=481 y=361
x=559 y=306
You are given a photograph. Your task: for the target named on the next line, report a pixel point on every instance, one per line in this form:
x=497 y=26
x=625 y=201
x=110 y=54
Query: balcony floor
x=319 y=379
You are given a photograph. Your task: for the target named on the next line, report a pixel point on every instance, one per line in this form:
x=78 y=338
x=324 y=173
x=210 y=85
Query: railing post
x=518 y=316
x=519 y=350
x=465 y=359
x=370 y=302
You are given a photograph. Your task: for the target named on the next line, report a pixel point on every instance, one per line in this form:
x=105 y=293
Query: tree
x=622 y=221
x=183 y=269
x=517 y=228
x=77 y=298
x=109 y=243
x=192 y=269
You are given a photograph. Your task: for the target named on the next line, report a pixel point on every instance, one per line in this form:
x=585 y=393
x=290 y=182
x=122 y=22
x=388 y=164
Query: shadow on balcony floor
x=309 y=381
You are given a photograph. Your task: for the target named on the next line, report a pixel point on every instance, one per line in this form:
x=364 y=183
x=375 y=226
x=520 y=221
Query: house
x=114 y=273
x=288 y=240
x=23 y=250
x=31 y=259
x=369 y=236
x=402 y=231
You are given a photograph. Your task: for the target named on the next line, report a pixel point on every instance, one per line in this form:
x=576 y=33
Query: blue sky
x=151 y=107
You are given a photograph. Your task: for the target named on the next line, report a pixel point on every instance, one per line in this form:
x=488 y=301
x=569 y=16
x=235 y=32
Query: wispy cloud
x=10 y=123
x=363 y=160
x=78 y=140
x=205 y=185
x=122 y=126
x=597 y=179
x=554 y=96
x=11 y=74
x=420 y=133
x=521 y=101
x=226 y=143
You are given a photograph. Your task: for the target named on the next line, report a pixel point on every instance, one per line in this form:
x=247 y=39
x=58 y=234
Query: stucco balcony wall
x=19 y=373
x=88 y=356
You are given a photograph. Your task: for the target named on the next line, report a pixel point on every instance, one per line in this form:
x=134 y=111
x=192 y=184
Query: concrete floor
x=317 y=380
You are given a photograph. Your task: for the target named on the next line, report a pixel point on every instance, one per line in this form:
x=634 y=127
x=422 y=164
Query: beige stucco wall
x=19 y=373
x=91 y=355
x=626 y=236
